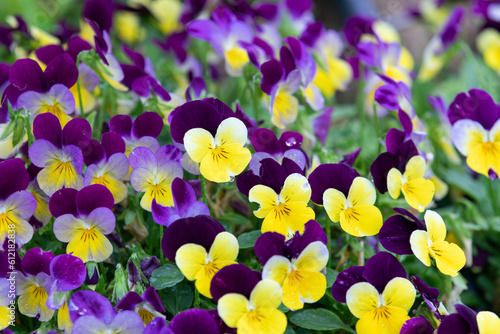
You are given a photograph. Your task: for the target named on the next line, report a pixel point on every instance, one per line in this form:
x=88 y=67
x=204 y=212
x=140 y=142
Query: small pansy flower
x=83 y=219
x=296 y=264
x=468 y=321
x=200 y=247
x=347 y=197
x=148 y=306
x=58 y=152
x=192 y=321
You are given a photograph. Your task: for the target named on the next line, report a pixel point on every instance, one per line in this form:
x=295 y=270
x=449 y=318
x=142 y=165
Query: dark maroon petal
x=345 y=280
x=245 y=181
x=381 y=167
x=26 y=74
x=200 y=230
x=312 y=232
x=476 y=105
x=194 y=321
x=69 y=272
x=290 y=167
x=77 y=132
x=355 y=27
x=311 y=34
x=197 y=87
x=381 y=268
x=93 y=197
x=121 y=124
x=264 y=140
x=151 y=296
x=266 y=10
x=272 y=174
x=287 y=61
x=133 y=273
x=272 y=72
x=77 y=45
x=419 y=222
x=469 y=315
x=36 y=261
x=46 y=53
x=337 y=176
x=183 y=195
x=191 y=115
x=47 y=126
x=99 y=11
x=406 y=151
x=418 y=325
x=290 y=140
x=130 y=74
x=298 y=7
x=395 y=234
x=112 y=143
x=13 y=177
x=93 y=153
x=63 y=201
x=136 y=57
x=394 y=139
x=148 y=265
x=61 y=70
x=222 y=108
x=455 y=324
x=4 y=265
x=350 y=158
x=129 y=301
x=268 y=245
x=235 y=278
x=88 y=302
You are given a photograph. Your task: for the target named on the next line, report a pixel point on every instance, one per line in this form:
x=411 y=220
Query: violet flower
x=467 y=321
x=192 y=321
x=394 y=95
x=148 y=306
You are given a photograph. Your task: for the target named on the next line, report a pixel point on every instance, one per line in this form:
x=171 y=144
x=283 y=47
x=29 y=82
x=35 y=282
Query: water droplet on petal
x=291 y=142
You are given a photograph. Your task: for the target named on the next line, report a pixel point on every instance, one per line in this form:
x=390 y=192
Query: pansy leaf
x=247 y=240
x=166 y=276
x=8 y=129
x=177 y=298
x=19 y=131
x=331 y=276
x=319 y=319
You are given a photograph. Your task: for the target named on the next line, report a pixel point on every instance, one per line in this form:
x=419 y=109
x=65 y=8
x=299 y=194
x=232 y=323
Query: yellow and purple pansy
x=467 y=320
x=148 y=306
x=192 y=321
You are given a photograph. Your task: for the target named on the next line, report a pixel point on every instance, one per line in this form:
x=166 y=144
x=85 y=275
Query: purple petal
x=127 y=322
x=148 y=265
x=90 y=303
x=272 y=73
x=312 y=232
x=337 y=176
x=168 y=153
x=89 y=324
x=183 y=194
x=112 y=143
x=99 y=11
x=61 y=70
x=26 y=74
x=287 y=62
x=13 y=177
x=194 y=321
x=93 y=197
x=350 y=158
x=290 y=140
x=93 y=153
x=208 y=31
x=129 y=301
x=77 y=45
x=69 y=272
x=142 y=157
x=103 y=218
x=381 y=268
x=321 y=125
x=77 y=132
x=418 y=325
x=255 y=162
x=155 y=326
x=47 y=126
x=469 y=315
x=268 y=245
x=22 y=203
x=151 y=296
x=311 y=34
x=196 y=209
x=36 y=261
x=46 y=53
x=345 y=280
x=476 y=105
x=264 y=140
x=297 y=158
x=395 y=234
x=63 y=201
x=298 y=7
x=387 y=96
x=429 y=294
x=222 y=108
x=121 y=124
x=200 y=230
x=163 y=215
x=380 y=168
x=454 y=323
x=235 y=278
x=147 y=124
x=303 y=59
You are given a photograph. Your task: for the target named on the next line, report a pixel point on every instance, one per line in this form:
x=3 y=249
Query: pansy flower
x=83 y=218
x=42 y=215
x=247 y=303
x=348 y=198
x=185 y=204
x=6 y=299
x=192 y=321
x=91 y=313
x=296 y=264
x=153 y=174
x=200 y=247
x=394 y=95
x=16 y=204
x=378 y=294
x=358 y=28
x=58 y=152
x=476 y=131
x=148 y=306
x=107 y=164
x=468 y=321
x=488 y=43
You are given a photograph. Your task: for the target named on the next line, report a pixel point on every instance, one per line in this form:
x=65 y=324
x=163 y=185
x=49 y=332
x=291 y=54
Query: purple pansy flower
x=148 y=306
x=419 y=325
x=185 y=204
x=192 y=321
x=58 y=152
x=394 y=95
x=68 y=273
x=429 y=294
x=396 y=231
x=465 y=321
x=321 y=125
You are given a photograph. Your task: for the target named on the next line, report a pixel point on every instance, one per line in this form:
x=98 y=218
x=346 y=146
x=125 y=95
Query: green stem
x=28 y=129
x=205 y=192
x=196 y=298
x=100 y=116
x=377 y=126
x=493 y=195
x=328 y=231
x=255 y=100
x=162 y=258
x=82 y=114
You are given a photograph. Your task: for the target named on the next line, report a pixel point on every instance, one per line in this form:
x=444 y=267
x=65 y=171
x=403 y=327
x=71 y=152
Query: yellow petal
x=285 y=109
x=117 y=188
x=334 y=202
x=231 y=131
x=394 y=182
x=339 y=73
x=383 y=320
x=313 y=258
x=58 y=175
x=296 y=189
x=63 y=320
x=418 y=193
x=488 y=322
x=415 y=168
x=362 y=192
x=231 y=308
x=435 y=226
x=483 y=157
x=224 y=248
x=269 y=321
x=33 y=303
x=224 y=162
x=266 y=295
x=90 y=245
x=361 y=220
x=190 y=258
x=236 y=59
x=266 y=197
x=399 y=292
x=198 y=143
x=277 y=269
x=467 y=134
x=206 y=274
x=449 y=257
x=161 y=192
x=420 y=246
x=4 y=317
x=362 y=298
x=299 y=214
x=303 y=286
x=274 y=223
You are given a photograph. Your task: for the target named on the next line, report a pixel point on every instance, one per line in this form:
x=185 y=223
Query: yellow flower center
x=381 y=312
x=255 y=316
x=237 y=57
x=145 y=315
x=351 y=214
x=65 y=168
x=88 y=234
x=281 y=210
x=219 y=153
x=210 y=269
x=6 y=219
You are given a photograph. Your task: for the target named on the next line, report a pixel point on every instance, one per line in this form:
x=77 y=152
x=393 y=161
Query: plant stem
x=196 y=298
x=205 y=192
x=82 y=114
x=255 y=100
x=377 y=126
x=493 y=195
x=328 y=231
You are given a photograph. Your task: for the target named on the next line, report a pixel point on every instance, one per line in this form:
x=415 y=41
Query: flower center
x=219 y=153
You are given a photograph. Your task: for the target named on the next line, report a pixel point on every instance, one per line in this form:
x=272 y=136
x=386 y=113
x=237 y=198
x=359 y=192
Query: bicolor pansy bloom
x=83 y=219
x=476 y=131
x=348 y=198
x=394 y=95
x=296 y=264
x=200 y=247
x=6 y=299
x=378 y=294
x=247 y=303
x=148 y=306
x=16 y=204
x=107 y=164
x=153 y=174
x=58 y=152
x=192 y=321
x=488 y=43
x=467 y=320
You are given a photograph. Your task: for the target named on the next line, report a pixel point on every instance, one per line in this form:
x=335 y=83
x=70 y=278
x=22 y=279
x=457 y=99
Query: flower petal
x=224 y=248
x=277 y=269
x=387 y=319
x=232 y=307
x=450 y=258
x=394 y=182
x=419 y=193
x=488 y=322
x=362 y=192
x=362 y=298
x=361 y=220
x=230 y=131
x=296 y=189
x=266 y=295
x=435 y=226
x=313 y=258
x=334 y=202
x=467 y=134
x=415 y=168
x=399 y=292
x=420 y=247
x=198 y=143
x=190 y=258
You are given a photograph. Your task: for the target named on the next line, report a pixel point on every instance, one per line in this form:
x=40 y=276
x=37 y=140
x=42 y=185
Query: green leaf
x=289 y=330
x=8 y=130
x=331 y=276
x=19 y=131
x=318 y=319
x=178 y=298
x=247 y=240
x=166 y=276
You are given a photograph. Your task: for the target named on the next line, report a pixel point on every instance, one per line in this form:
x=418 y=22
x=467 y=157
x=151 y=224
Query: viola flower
x=359 y=28
x=92 y=313
x=88 y=82
x=192 y=321
x=296 y=264
x=286 y=212
x=394 y=95
x=6 y=299
x=34 y=283
x=83 y=218
x=58 y=152
x=430 y=296
x=16 y=204
x=321 y=126
x=200 y=247
x=347 y=197
x=185 y=204
x=418 y=325
x=476 y=131
x=378 y=294
x=488 y=43
x=107 y=164
x=468 y=321
x=153 y=174
x=148 y=306
x=431 y=244
x=226 y=34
